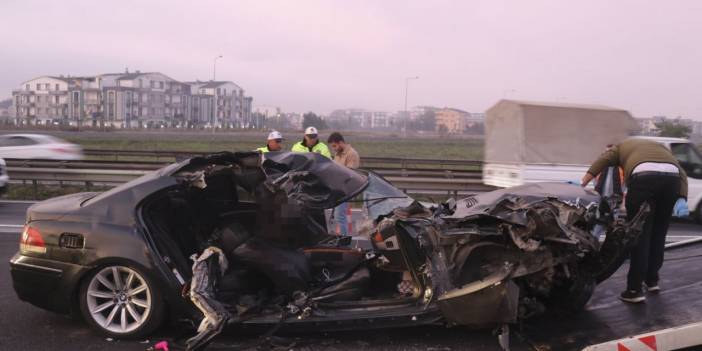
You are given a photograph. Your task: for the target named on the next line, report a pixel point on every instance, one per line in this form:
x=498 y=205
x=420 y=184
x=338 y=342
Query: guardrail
x=99 y=172
x=366 y=162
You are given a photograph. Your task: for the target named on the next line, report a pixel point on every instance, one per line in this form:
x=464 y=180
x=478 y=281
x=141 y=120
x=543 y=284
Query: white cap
x=311 y=130
x=275 y=135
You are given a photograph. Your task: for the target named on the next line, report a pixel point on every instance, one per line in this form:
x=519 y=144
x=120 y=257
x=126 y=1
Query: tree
x=673 y=129
x=310 y=119
x=428 y=120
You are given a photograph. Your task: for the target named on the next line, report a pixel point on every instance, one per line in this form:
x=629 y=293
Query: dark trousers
x=661 y=192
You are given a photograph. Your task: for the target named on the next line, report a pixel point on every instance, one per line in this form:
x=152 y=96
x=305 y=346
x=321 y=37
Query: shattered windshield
x=380 y=198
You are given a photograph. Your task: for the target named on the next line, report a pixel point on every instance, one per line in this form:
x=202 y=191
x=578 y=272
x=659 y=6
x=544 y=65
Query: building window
x=38 y=86
x=151 y=82
x=160 y=85
x=56 y=87
x=219 y=91
x=47 y=86
x=141 y=83
x=26 y=87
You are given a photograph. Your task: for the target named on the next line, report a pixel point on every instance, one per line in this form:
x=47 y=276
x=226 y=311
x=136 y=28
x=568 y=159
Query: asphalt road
x=25 y=327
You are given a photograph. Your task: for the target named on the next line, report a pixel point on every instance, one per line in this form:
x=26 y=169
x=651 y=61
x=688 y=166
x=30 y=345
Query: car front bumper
x=45 y=283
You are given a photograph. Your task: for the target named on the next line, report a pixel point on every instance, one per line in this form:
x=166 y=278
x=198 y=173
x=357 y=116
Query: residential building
x=247 y=115
x=222 y=103
x=5 y=110
x=148 y=99
x=267 y=111
x=353 y=118
x=473 y=119
x=51 y=99
x=451 y=120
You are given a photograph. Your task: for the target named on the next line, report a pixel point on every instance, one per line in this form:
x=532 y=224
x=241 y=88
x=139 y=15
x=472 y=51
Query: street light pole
x=404 y=128
x=214 y=67
x=214 y=100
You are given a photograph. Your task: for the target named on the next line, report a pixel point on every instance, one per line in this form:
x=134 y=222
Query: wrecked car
x=242 y=239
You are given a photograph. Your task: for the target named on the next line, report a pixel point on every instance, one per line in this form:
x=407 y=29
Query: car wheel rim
x=119 y=299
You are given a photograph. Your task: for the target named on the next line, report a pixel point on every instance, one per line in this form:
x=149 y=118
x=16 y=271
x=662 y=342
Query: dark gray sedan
x=242 y=239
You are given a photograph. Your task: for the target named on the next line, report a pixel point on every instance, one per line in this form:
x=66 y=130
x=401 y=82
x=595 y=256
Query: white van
x=690 y=160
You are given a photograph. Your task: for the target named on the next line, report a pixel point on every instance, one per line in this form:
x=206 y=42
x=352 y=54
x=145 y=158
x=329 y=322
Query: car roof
x=43 y=137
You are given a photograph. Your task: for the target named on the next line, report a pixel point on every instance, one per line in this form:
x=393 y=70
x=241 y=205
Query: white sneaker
x=653 y=288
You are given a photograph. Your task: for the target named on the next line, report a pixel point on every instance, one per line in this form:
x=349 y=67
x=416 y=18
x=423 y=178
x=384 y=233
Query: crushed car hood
x=503 y=203
x=314 y=181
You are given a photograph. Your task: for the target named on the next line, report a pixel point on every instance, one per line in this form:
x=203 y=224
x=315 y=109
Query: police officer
x=653 y=176
x=310 y=143
x=274 y=142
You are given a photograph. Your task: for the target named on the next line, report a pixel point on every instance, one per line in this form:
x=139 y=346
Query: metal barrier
x=97 y=172
x=366 y=162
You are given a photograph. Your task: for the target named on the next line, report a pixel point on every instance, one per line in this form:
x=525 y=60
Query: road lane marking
x=12 y=225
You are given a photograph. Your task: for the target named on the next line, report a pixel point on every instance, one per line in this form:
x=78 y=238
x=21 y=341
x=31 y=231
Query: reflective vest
x=319 y=148
x=263 y=149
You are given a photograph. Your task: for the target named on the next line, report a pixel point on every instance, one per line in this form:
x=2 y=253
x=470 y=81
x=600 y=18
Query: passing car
x=38 y=146
x=241 y=239
x=4 y=178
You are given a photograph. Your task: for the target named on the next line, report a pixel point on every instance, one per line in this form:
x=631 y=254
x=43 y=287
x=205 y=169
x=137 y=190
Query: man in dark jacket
x=653 y=175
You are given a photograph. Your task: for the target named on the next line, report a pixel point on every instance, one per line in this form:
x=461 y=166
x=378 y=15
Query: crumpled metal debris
x=208 y=268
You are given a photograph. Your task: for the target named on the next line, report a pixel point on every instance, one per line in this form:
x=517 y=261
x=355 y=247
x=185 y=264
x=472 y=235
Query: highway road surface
x=25 y=327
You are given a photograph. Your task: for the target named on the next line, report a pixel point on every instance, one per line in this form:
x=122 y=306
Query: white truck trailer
x=528 y=142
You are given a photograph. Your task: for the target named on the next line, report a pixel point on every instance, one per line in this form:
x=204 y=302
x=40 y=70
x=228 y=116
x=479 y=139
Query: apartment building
x=361 y=119
x=220 y=103
x=451 y=120
x=131 y=100
x=49 y=99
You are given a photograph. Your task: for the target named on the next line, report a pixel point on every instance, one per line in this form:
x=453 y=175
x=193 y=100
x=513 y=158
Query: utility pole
x=214 y=67
x=404 y=124
x=214 y=100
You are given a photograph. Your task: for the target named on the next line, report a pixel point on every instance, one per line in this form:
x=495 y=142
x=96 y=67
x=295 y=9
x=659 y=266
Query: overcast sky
x=644 y=56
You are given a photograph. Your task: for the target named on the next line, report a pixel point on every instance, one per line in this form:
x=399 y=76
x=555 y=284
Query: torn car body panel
x=482 y=261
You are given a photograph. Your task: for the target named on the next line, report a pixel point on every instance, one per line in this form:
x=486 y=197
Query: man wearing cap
x=310 y=143
x=274 y=142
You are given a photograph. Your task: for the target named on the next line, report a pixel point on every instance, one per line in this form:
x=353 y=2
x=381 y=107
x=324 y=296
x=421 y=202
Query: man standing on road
x=310 y=143
x=346 y=156
x=274 y=142
x=653 y=176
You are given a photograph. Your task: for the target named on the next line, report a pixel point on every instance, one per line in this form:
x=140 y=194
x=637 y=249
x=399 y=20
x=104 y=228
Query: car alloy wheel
x=119 y=299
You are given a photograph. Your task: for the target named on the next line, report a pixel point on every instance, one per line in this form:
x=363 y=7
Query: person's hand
x=680 y=209
x=586 y=179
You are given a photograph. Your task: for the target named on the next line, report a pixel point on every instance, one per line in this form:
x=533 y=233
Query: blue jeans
x=341 y=219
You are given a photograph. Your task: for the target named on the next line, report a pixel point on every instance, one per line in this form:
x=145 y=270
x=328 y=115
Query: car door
x=691 y=161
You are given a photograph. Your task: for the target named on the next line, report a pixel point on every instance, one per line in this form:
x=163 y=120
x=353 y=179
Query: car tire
x=120 y=301
x=572 y=297
x=697 y=215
